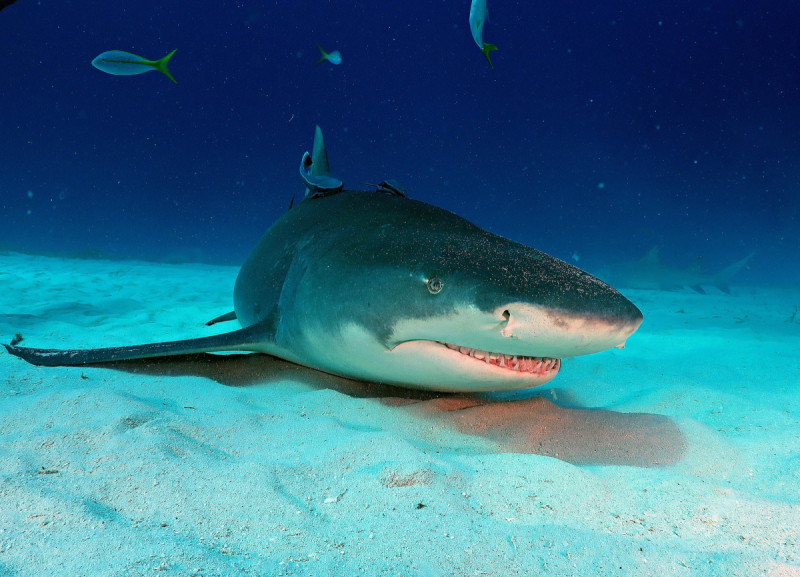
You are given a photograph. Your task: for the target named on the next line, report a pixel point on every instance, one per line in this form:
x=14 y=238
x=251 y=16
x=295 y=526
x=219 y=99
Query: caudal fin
x=241 y=340
x=161 y=65
x=486 y=49
x=324 y=56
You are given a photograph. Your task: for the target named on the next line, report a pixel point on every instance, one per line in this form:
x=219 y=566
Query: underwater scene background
x=626 y=138
x=604 y=129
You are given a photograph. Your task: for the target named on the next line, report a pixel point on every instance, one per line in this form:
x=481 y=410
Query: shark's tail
x=723 y=277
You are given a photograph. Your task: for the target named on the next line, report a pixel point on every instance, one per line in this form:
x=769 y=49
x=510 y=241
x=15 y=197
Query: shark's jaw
x=423 y=364
x=517 y=346
x=429 y=364
x=542 y=367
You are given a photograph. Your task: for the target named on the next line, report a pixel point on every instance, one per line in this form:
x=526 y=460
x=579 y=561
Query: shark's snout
x=565 y=332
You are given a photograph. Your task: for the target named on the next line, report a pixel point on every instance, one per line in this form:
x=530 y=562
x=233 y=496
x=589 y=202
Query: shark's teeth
x=534 y=365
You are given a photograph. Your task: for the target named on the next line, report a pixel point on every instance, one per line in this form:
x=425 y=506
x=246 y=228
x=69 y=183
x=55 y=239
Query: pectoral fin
x=241 y=340
x=231 y=316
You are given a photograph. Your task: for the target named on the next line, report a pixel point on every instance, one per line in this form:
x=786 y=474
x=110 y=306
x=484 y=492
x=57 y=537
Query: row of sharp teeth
x=512 y=362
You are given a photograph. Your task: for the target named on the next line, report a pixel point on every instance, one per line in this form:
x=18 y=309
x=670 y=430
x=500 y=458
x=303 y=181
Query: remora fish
x=122 y=63
x=375 y=286
x=650 y=273
x=334 y=57
x=478 y=13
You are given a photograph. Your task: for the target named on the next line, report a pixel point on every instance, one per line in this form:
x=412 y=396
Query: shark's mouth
x=540 y=366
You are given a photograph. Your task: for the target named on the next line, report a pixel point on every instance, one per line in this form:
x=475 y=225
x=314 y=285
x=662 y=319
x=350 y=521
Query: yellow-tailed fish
x=122 y=63
x=334 y=57
x=477 y=18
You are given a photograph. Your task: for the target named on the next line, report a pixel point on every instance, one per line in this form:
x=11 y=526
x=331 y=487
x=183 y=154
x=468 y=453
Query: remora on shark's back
x=650 y=273
x=378 y=287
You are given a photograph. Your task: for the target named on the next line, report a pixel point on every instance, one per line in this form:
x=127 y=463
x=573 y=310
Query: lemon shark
x=375 y=286
x=650 y=273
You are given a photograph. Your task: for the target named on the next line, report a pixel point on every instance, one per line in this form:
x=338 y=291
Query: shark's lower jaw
x=540 y=366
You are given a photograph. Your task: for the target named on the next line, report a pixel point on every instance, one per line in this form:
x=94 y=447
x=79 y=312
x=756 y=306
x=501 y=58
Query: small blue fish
x=122 y=63
x=478 y=14
x=334 y=57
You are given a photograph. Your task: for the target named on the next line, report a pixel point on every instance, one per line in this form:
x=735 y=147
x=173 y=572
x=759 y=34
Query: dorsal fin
x=651 y=256
x=319 y=156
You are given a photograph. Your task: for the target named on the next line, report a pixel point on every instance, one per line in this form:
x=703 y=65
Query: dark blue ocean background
x=606 y=127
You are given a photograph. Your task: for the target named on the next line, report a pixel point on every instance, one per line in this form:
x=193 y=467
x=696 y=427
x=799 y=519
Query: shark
x=650 y=273
x=375 y=286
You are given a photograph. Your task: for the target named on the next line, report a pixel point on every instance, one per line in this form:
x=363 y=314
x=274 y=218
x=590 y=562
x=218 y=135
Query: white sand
x=687 y=464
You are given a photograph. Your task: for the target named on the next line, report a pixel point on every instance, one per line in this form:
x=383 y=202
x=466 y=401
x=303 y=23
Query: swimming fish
x=334 y=57
x=121 y=63
x=478 y=14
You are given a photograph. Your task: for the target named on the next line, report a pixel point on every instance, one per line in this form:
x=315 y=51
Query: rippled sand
x=676 y=456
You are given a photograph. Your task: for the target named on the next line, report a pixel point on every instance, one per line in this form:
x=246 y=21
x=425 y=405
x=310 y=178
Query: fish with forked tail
x=120 y=63
x=334 y=57
x=478 y=14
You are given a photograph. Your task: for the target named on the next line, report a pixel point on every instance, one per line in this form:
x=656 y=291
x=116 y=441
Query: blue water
x=604 y=129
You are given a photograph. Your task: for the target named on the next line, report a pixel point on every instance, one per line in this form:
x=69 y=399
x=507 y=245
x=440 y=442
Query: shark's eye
x=435 y=286
x=506 y=314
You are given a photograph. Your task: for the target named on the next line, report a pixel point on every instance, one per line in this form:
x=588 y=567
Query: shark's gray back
x=377 y=246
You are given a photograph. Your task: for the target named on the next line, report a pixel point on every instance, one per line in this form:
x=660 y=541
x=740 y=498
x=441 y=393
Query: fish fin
x=724 y=288
x=319 y=156
x=698 y=289
x=161 y=65
x=324 y=56
x=725 y=275
x=241 y=340
x=231 y=316
x=486 y=49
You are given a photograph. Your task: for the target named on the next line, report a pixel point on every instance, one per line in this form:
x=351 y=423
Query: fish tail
x=324 y=56
x=161 y=65
x=486 y=49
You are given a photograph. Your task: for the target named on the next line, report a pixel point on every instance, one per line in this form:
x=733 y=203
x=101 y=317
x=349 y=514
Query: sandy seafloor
x=676 y=456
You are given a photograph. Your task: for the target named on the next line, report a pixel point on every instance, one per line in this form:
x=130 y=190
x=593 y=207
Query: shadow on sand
x=533 y=425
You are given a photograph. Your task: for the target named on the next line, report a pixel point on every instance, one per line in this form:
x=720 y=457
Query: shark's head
x=406 y=293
